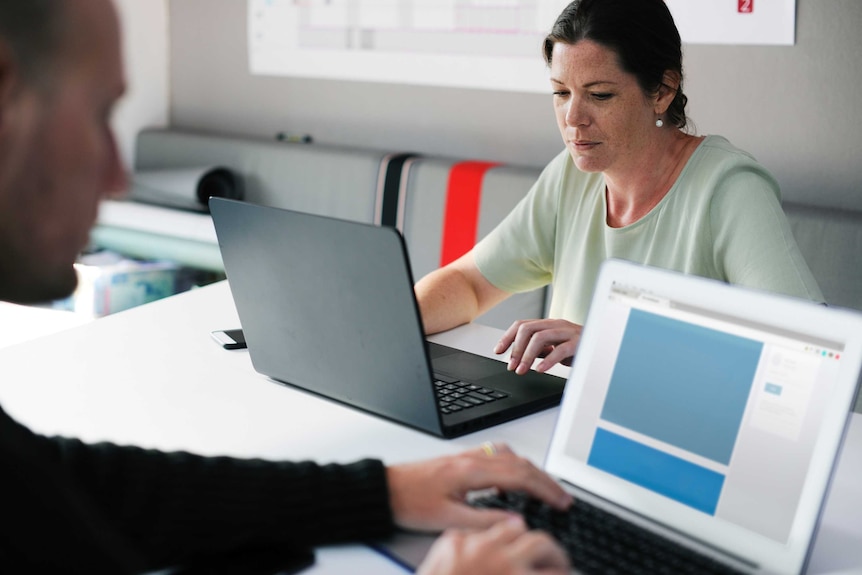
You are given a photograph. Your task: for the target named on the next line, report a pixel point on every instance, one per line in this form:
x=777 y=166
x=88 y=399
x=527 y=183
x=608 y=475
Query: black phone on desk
x=229 y=338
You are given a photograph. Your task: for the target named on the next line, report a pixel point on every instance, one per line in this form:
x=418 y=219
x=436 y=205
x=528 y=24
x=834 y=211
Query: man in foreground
x=108 y=509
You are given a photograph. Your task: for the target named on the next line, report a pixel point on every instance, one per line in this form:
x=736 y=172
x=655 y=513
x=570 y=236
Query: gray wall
x=798 y=109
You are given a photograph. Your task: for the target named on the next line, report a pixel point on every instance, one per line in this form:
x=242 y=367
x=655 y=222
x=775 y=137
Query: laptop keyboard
x=600 y=542
x=454 y=395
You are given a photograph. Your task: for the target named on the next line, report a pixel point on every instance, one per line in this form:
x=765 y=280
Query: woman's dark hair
x=641 y=32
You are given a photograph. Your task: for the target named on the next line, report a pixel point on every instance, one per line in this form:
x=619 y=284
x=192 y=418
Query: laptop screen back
x=713 y=410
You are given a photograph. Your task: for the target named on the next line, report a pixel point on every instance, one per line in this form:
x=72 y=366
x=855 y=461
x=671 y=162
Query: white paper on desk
x=185 y=188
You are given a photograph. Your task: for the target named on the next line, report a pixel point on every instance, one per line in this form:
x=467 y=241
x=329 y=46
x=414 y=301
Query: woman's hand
x=507 y=548
x=554 y=340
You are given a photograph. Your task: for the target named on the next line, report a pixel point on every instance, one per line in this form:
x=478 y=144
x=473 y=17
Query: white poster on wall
x=489 y=44
x=748 y=22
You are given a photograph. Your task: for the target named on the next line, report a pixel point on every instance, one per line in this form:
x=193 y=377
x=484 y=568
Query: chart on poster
x=487 y=44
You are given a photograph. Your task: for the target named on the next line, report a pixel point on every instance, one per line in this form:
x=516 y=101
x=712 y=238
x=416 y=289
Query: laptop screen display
x=714 y=412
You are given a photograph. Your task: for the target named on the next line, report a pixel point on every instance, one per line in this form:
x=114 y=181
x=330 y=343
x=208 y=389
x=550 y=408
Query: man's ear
x=11 y=89
x=8 y=80
x=667 y=91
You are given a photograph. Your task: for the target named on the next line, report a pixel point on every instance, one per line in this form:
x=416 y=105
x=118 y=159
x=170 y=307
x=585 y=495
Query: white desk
x=152 y=376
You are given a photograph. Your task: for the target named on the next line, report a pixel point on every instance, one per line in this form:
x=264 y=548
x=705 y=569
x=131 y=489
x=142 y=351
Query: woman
x=631 y=184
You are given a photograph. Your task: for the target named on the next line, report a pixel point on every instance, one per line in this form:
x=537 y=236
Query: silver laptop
x=713 y=414
x=709 y=414
x=327 y=306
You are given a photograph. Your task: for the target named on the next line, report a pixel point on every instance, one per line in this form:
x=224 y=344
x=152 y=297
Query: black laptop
x=327 y=306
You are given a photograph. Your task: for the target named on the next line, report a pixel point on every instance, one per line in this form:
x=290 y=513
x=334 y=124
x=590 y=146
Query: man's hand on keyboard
x=431 y=495
x=506 y=548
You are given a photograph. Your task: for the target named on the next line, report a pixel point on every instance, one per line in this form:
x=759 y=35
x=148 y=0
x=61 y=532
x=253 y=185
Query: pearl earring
x=659 y=123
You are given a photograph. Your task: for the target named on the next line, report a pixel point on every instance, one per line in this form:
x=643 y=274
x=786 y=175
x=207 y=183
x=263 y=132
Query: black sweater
x=73 y=507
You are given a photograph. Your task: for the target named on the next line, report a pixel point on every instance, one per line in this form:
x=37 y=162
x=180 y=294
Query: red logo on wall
x=745 y=6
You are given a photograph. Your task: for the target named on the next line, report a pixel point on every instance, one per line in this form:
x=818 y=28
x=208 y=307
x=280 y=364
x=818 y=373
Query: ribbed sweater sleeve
x=178 y=506
x=173 y=508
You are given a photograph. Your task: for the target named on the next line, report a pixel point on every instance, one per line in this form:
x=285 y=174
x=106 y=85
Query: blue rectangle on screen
x=667 y=475
x=681 y=383
x=773 y=388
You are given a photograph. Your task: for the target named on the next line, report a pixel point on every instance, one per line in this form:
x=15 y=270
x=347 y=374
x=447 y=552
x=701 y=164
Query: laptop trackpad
x=467 y=366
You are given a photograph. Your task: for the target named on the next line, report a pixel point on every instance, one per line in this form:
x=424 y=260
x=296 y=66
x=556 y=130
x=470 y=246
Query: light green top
x=721 y=219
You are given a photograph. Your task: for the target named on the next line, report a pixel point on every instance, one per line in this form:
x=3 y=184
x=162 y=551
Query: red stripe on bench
x=461 y=218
